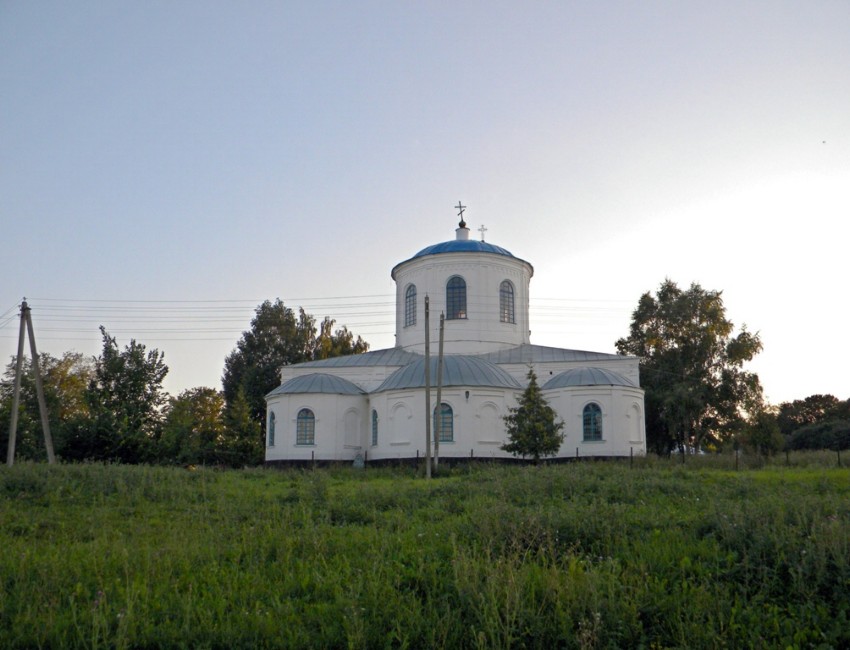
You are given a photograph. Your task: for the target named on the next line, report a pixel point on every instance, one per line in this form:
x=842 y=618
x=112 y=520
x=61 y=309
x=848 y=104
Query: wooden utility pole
x=427 y=391
x=438 y=424
x=19 y=361
x=26 y=321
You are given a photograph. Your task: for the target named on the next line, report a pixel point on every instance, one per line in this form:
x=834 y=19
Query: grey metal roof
x=318 y=383
x=458 y=370
x=528 y=353
x=587 y=377
x=388 y=357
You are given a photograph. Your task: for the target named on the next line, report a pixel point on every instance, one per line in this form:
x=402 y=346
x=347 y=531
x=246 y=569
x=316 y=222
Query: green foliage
x=65 y=381
x=276 y=339
x=696 y=390
x=811 y=410
x=113 y=408
x=244 y=443
x=125 y=399
x=339 y=343
x=816 y=422
x=833 y=434
x=531 y=427
x=200 y=430
x=194 y=429
x=586 y=555
x=762 y=434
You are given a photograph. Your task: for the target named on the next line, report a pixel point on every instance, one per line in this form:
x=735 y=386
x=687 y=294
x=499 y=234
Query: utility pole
x=427 y=390
x=438 y=426
x=26 y=321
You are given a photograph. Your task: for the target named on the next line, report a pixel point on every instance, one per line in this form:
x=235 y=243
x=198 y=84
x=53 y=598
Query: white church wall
x=343 y=423
x=339 y=427
x=482 y=330
x=490 y=427
x=395 y=426
x=635 y=421
x=622 y=420
x=477 y=424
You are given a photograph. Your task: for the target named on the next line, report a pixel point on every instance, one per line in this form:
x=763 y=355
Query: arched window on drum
x=455 y=298
x=410 y=305
x=506 y=302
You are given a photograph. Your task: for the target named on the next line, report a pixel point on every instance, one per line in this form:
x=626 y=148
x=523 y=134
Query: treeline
x=816 y=422
x=699 y=396
x=113 y=408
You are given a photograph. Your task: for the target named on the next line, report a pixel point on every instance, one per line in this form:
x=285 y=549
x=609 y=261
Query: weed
x=581 y=555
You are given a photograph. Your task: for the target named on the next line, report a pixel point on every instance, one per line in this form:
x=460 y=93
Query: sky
x=167 y=166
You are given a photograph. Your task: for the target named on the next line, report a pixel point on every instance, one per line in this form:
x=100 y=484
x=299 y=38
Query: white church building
x=373 y=405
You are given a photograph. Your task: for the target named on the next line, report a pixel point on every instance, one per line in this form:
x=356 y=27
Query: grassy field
x=580 y=555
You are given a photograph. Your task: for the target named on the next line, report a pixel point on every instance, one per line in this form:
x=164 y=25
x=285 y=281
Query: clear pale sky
x=166 y=166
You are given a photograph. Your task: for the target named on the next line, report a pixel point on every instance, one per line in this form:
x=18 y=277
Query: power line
x=194 y=319
x=240 y=300
x=10 y=318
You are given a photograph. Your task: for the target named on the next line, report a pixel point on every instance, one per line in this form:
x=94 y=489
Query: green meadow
x=577 y=555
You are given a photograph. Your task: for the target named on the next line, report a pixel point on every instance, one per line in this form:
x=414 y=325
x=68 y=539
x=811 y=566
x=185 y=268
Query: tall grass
x=582 y=555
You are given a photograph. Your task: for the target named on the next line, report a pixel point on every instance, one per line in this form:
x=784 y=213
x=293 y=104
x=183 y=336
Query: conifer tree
x=532 y=429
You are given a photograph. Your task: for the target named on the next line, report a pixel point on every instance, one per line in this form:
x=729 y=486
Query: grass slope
x=579 y=555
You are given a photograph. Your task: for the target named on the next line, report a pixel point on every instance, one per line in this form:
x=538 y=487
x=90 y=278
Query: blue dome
x=458 y=370
x=587 y=377
x=462 y=246
x=318 y=383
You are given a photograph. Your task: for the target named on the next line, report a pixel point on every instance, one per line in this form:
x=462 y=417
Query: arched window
x=271 y=429
x=305 y=431
x=506 y=302
x=410 y=306
x=447 y=426
x=374 y=427
x=455 y=298
x=592 y=419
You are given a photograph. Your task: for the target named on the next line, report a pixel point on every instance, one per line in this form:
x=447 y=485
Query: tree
x=762 y=433
x=125 y=399
x=276 y=339
x=65 y=381
x=340 y=343
x=832 y=434
x=194 y=431
x=696 y=390
x=200 y=428
x=244 y=443
x=531 y=426
x=811 y=410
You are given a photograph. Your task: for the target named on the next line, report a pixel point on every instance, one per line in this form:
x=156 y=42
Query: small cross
x=460 y=209
x=482 y=230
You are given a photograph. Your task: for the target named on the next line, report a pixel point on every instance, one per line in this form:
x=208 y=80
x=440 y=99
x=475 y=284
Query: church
x=372 y=406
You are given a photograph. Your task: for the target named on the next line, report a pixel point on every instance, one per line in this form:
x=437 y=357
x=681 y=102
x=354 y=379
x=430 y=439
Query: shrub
x=822 y=435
